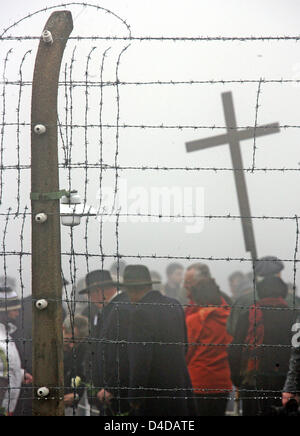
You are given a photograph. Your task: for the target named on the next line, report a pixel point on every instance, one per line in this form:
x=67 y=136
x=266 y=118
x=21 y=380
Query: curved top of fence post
x=45 y=84
x=64 y=5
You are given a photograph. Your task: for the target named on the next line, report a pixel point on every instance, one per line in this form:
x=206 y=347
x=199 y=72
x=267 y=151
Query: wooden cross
x=233 y=138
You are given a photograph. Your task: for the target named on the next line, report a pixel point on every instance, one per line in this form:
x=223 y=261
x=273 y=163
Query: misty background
x=271 y=193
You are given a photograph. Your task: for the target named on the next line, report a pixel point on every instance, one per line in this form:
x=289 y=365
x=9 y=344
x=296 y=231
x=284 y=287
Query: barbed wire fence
x=81 y=121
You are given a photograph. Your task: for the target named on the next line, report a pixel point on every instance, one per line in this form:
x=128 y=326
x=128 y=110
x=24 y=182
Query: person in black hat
x=11 y=373
x=260 y=365
x=267 y=272
x=107 y=367
x=159 y=380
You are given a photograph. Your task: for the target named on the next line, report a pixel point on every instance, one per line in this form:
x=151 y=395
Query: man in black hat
x=108 y=365
x=159 y=380
x=265 y=268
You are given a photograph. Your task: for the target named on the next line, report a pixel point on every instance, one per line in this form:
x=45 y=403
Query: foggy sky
x=271 y=193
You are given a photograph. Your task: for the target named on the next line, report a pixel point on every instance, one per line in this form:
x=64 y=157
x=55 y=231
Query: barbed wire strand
x=79 y=260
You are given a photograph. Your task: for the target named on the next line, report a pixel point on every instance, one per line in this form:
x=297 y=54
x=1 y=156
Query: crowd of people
x=136 y=347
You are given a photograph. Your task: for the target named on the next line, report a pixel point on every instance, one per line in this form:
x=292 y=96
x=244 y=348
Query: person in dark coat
x=159 y=383
x=108 y=361
x=259 y=367
x=292 y=384
x=241 y=305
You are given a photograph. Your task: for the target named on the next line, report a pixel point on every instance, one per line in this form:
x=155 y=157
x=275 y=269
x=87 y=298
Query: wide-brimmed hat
x=268 y=266
x=137 y=275
x=97 y=279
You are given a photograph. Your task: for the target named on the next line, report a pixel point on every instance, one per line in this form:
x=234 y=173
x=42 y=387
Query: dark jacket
x=159 y=381
x=91 y=357
x=242 y=304
x=292 y=383
x=91 y=312
x=109 y=352
x=273 y=354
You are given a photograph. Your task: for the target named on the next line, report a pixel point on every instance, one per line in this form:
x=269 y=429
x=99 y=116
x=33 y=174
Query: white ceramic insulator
x=43 y=392
x=47 y=37
x=39 y=129
x=41 y=304
x=41 y=218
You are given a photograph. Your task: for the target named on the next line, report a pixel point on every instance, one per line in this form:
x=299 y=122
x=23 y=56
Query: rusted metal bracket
x=48 y=196
x=46 y=245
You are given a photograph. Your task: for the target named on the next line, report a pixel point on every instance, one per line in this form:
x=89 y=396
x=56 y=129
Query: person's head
x=101 y=295
x=206 y=292
x=175 y=274
x=235 y=279
x=244 y=287
x=74 y=331
x=13 y=314
x=9 y=316
x=100 y=287
x=137 y=282
x=268 y=266
x=268 y=278
x=195 y=273
x=136 y=293
x=272 y=287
